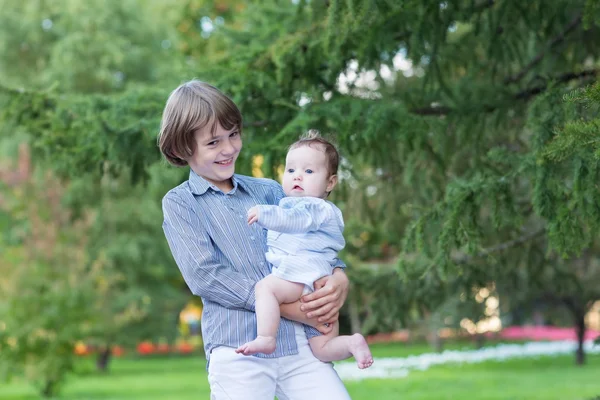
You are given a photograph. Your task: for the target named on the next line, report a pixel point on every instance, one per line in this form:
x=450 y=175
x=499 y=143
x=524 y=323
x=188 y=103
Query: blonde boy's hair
x=192 y=106
x=313 y=138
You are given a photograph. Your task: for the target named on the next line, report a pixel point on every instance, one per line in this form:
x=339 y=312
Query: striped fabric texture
x=221 y=258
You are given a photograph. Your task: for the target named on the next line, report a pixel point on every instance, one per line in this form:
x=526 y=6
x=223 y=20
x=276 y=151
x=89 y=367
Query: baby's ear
x=333 y=180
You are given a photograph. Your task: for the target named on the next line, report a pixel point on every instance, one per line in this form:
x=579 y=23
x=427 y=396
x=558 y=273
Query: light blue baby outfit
x=305 y=235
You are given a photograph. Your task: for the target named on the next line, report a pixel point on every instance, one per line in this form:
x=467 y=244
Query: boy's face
x=306 y=173
x=214 y=156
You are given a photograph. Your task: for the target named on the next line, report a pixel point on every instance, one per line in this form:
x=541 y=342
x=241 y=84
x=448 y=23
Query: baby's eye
x=290 y=170
x=309 y=171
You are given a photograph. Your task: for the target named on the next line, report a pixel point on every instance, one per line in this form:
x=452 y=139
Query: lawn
x=184 y=378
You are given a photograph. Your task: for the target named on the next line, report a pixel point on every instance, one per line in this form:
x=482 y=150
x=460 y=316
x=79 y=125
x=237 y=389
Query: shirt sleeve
x=311 y=332
x=339 y=264
x=301 y=218
x=193 y=252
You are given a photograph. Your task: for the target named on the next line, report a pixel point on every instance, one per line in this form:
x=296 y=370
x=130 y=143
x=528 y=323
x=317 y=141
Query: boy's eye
x=309 y=171
x=234 y=134
x=290 y=170
x=212 y=143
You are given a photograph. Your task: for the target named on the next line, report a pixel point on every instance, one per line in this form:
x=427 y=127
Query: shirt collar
x=199 y=185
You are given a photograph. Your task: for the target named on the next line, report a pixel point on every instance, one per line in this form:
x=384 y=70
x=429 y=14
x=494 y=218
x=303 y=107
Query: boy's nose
x=228 y=148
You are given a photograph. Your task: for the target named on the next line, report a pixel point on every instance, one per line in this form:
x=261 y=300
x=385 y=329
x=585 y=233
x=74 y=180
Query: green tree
x=448 y=105
x=85 y=46
x=127 y=232
x=81 y=49
x=52 y=293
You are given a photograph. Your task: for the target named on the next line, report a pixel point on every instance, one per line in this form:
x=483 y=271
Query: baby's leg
x=270 y=293
x=332 y=347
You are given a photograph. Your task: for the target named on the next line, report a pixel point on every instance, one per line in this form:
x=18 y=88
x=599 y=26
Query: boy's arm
x=323 y=305
x=312 y=327
x=305 y=217
x=193 y=252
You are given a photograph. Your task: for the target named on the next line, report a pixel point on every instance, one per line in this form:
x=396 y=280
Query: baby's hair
x=313 y=138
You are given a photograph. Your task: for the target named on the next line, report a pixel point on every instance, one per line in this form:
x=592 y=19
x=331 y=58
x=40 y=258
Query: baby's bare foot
x=360 y=350
x=262 y=344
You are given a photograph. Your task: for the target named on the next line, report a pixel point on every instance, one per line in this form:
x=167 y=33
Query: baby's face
x=306 y=173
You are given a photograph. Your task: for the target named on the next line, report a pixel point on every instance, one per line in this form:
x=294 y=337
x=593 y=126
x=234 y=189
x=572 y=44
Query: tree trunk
x=435 y=341
x=479 y=340
x=48 y=390
x=580 y=329
x=103 y=359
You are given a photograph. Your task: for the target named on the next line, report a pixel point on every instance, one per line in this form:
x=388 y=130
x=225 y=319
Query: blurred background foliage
x=468 y=130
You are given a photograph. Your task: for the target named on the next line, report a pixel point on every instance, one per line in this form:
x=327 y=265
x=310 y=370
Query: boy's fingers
x=321 y=311
x=330 y=317
x=315 y=304
x=318 y=294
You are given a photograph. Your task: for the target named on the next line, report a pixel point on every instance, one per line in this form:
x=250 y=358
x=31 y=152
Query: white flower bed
x=400 y=367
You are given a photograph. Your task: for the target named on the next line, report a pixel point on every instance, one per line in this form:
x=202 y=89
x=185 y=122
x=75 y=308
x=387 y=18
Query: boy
x=305 y=235
x=221 y=257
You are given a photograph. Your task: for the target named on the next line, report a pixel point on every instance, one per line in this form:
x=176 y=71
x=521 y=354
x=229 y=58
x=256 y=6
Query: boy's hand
x=252 y=215
x=328 y=298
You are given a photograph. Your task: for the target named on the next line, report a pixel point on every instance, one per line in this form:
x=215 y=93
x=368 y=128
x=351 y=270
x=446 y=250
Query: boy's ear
x=333 y=180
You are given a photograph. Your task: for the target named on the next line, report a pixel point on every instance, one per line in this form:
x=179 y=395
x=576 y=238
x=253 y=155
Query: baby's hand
x=252 y=215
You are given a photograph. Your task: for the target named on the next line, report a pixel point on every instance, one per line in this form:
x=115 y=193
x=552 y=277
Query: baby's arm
x=194 y=254
x=304 y=217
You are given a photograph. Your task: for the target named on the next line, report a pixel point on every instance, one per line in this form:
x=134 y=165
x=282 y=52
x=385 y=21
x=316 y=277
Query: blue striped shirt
x=305 y=235
x=221 y=257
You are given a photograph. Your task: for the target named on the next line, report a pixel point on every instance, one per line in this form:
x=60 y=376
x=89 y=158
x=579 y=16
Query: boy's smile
x=225 y=163
x=215 y=155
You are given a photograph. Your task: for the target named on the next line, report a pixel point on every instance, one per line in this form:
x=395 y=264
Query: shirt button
x=251 y=237
x=241 y=216
x=262 y=263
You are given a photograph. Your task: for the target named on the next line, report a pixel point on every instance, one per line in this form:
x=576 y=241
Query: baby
x=305 y=233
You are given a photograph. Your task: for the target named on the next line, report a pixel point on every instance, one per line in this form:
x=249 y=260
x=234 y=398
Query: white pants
x=298 y=377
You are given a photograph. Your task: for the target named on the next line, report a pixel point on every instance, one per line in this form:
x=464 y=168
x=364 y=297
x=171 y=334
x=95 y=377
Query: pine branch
x=569 y=76
x=434 y=110
x=466 y=259
x=9 y=90
x=485 y=4
x=523 y=95
x=439 y=110
x=476 y=9
x=553 y=43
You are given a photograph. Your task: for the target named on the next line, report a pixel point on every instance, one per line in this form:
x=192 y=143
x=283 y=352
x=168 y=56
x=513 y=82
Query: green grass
x=184 y=378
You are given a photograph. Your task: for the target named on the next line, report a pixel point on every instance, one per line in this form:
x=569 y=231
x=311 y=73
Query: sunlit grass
x=184 y=378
